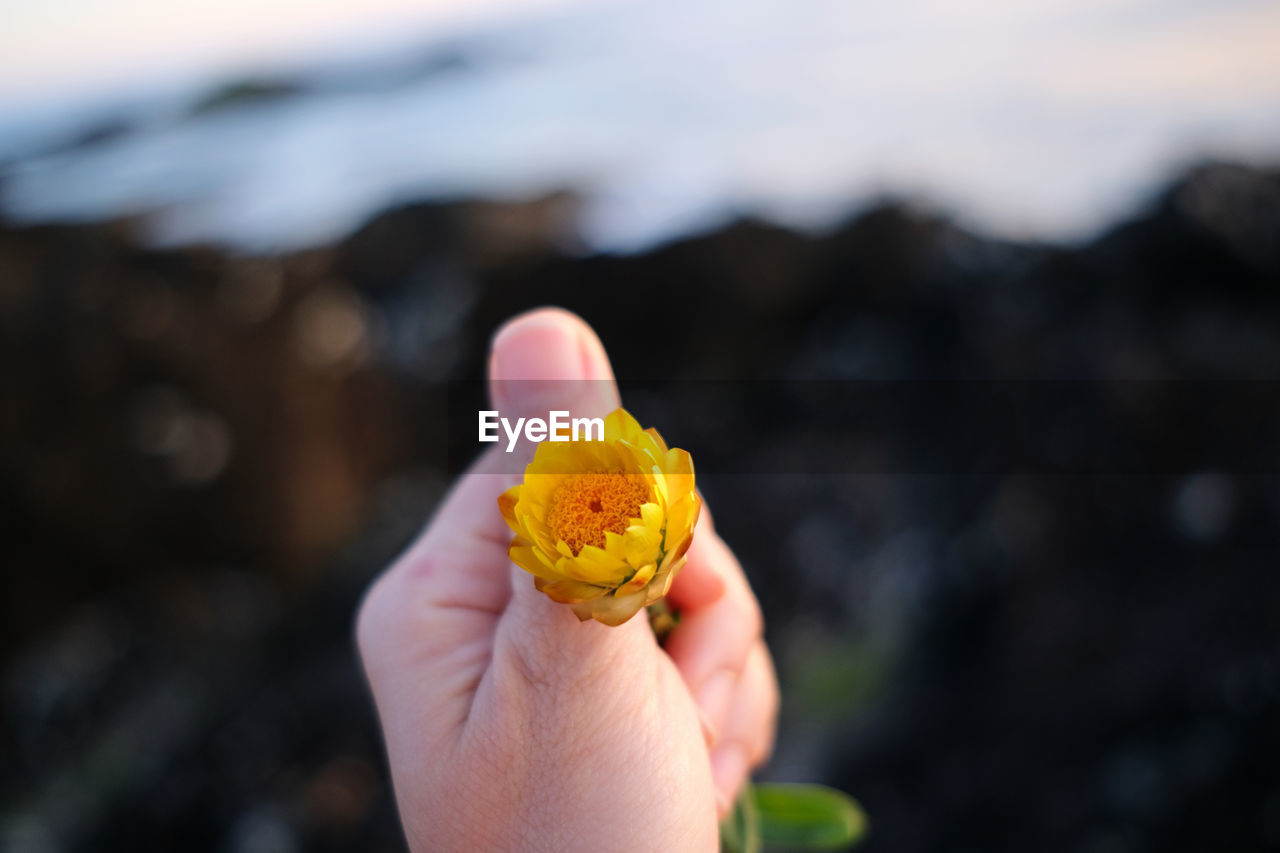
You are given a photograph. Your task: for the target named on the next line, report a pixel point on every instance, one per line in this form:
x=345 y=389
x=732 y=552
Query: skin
x=509 y=724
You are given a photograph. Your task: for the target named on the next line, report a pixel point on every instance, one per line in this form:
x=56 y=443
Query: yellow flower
x=604 y=526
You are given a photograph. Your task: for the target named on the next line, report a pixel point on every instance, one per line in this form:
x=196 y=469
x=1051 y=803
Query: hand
x=509 y=724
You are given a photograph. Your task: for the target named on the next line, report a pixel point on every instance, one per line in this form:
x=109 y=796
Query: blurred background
x=250 y=252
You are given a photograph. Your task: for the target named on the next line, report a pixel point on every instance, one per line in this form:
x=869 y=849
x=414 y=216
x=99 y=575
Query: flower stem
x=662 y=619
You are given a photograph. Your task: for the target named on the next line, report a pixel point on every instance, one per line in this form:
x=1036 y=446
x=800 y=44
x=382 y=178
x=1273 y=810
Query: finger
x=536 y=358
x=705 y=517
x=472 y=535
x=698 y=584
x=749 y=727
x=710 y=645
x=550 y=360
x=427 y=624
x=544 y=357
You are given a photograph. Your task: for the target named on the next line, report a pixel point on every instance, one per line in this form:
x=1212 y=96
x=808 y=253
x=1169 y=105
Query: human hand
x=509 y=724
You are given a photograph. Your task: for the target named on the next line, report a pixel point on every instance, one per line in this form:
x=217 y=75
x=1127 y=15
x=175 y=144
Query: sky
x=53 y=47
x=1045 y=119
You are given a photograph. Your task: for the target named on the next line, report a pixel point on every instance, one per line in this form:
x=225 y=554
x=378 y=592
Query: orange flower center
x=585 y=506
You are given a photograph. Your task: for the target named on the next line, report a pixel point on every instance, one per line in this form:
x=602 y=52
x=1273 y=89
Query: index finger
x=716 y=634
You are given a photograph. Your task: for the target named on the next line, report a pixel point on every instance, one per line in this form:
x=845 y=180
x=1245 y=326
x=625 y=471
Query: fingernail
x=728 y=772
x=537 y=364
x=710 y=732
x=713 y=702
x=548 y=360
x=542 y=345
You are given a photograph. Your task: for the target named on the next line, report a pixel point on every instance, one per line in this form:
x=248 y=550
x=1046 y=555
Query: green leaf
x=812 y=816
x=740 y=830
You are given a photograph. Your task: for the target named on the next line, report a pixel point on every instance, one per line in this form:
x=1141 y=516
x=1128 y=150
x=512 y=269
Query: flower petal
x=614 y=611
x=641 y=544
x=677 y=466
x=661 y=583
x=657 y=437
x=594 y=565
x=681 y=518
x=507 y=506
x=638 y=581
x=619 y=425
x=533 y=561
x=569 y=591
x=652 y=516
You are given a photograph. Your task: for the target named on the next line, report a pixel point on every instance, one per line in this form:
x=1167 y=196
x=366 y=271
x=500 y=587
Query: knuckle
x=752 y=616
x=371 y=616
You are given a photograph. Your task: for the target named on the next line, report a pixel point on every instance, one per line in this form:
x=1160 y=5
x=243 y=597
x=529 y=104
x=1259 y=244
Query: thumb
x=546 y=361
x=431 y=624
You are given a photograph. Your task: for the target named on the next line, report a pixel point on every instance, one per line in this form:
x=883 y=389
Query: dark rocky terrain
x=205 y=457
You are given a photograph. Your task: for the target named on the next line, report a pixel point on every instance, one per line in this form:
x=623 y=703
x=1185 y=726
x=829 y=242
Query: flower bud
x=604 y=526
